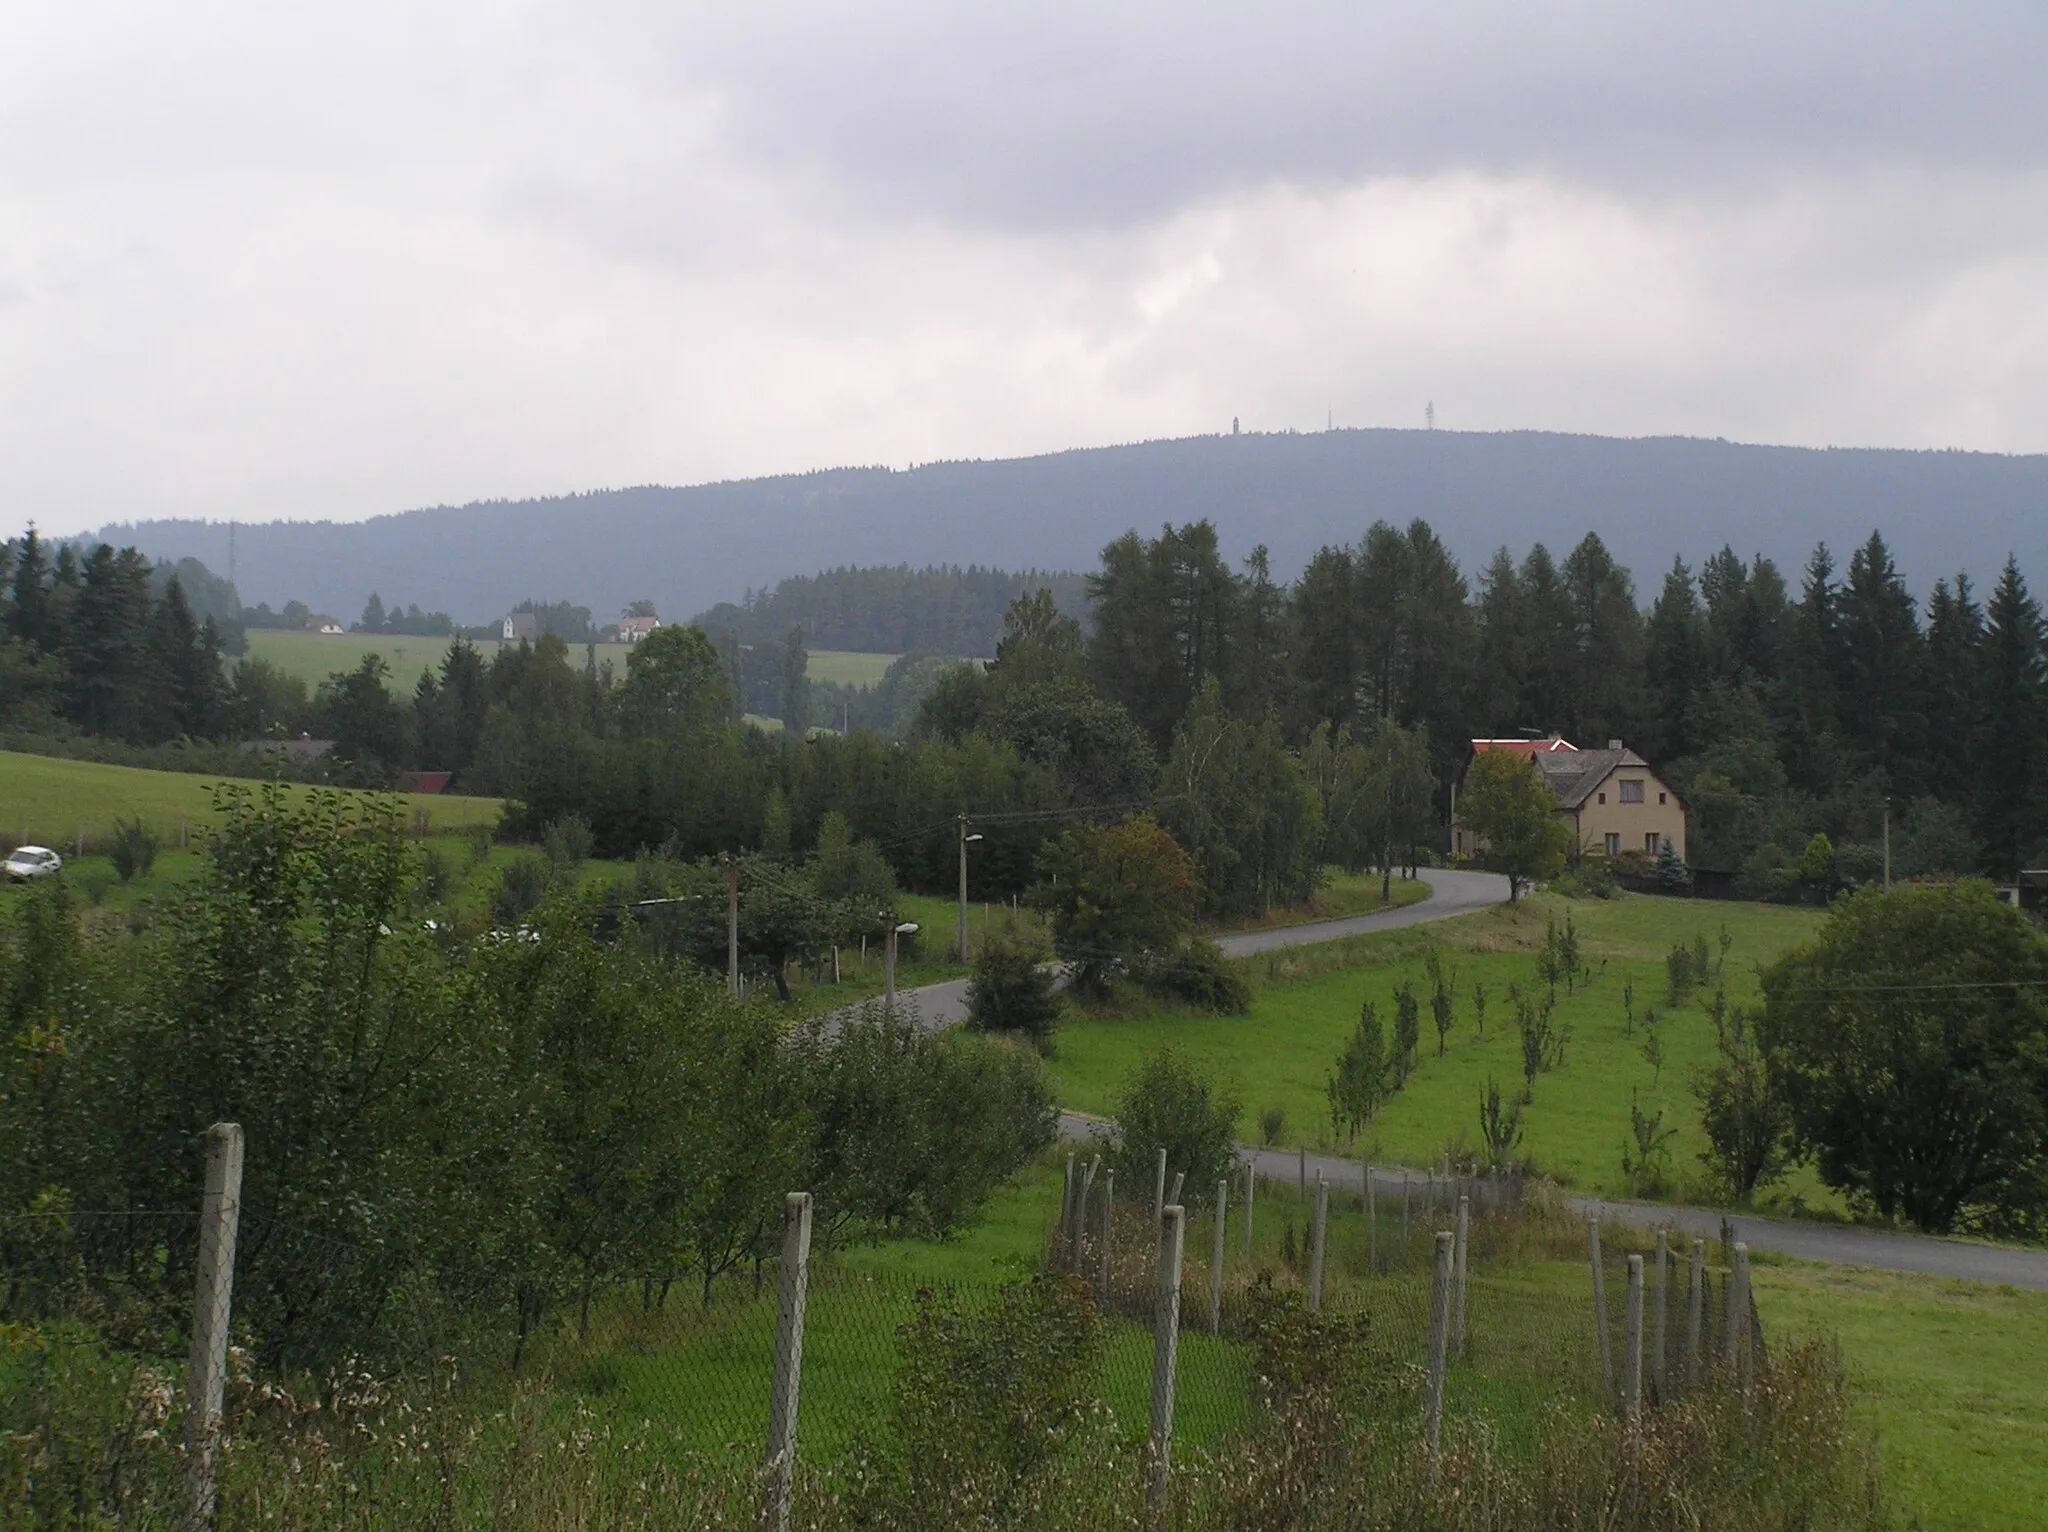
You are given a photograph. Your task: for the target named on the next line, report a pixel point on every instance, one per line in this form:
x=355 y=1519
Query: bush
x=986 y=1401
x=567 y=844
x=522 y=887
x=1195 y=974
x=1012 y=990
x=134 y=848
x=1173 y=1105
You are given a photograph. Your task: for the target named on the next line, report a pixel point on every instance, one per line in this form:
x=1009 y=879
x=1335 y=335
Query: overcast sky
x=277 y=259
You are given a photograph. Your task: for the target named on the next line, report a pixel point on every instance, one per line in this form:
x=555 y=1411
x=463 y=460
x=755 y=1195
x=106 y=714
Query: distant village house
x=1612 y=800
x=520 y=628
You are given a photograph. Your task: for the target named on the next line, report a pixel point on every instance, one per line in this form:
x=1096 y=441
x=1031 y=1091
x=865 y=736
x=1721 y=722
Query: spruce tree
x=2010 y=731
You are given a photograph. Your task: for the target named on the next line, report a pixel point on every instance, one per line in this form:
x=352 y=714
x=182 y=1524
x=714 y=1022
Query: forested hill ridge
x=685 y=549
x=893 y=610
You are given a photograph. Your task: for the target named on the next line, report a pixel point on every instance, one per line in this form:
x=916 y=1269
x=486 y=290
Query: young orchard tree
x=1172 y=1104
x=1359 y=1083
x=1506 y=803
x=1741 y=1108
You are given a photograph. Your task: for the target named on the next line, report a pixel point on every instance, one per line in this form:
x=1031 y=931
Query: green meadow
x=313 y=657
x=1306 y=1004
x=48 y=800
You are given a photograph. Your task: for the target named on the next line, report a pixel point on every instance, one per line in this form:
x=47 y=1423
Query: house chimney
x=1614 y=744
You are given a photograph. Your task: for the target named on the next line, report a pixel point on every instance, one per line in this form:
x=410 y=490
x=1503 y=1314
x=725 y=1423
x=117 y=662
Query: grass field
x=1952 y=1376
x=1281 y=1053
x=47 y=800
x=313 y=657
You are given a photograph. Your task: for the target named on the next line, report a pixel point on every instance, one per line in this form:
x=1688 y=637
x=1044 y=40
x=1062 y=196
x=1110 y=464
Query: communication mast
x=1429 y=416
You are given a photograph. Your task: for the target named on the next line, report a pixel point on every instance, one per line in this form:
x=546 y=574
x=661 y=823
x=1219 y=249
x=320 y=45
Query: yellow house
x=1612 y=799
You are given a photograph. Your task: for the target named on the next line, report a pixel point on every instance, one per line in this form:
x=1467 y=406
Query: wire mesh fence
x=684 y=1371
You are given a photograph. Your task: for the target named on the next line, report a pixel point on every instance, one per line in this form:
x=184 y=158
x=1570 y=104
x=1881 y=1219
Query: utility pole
x=1887 y=845
x=960 y=931
x=732 y=927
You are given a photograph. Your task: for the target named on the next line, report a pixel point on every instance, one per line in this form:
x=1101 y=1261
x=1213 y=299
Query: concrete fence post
x=1372 y=1224
x=1458 y=1298
x=1745 y=1352
x=1067 y=1208
x=1251 y=1186
x=1159 y=1189
x=1695 y=1313
x=1731 y=1332
x=1082 y=1202
x=1632 y=1343
x=1102 y=1251
x=1302 y=1150
x=779 y=1472
x=1600 y=1306
x=220 y=1221
x=1660 y=1379
x=1439 y=1338
x=1180 y=1178
x=1216 y=1259
x=1165 y=1355
x=1318 y=1235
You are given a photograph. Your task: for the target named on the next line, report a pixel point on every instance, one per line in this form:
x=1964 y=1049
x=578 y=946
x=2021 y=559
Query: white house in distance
x=633 y=629
x=520 y=627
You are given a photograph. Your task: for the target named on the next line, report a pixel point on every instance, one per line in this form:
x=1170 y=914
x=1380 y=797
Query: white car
x=26 y=862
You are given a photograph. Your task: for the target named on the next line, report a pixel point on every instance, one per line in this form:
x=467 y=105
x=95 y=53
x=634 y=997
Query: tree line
x=891 y=609
x=1276 y=726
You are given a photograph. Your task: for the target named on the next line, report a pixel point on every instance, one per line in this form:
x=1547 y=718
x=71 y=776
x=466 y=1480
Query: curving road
x=1463 y=893
x=1875 y=1248
x=1450 y=893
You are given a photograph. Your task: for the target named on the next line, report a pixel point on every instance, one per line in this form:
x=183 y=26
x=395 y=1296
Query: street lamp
x=906 y=928
x=960 y=931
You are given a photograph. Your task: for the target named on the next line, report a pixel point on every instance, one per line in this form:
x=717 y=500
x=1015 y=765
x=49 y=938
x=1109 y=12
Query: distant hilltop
x=688 y=548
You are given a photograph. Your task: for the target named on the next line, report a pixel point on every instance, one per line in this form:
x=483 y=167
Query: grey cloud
x=1107 y=114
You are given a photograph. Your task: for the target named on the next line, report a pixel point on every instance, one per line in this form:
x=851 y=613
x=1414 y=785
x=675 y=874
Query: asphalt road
x=1833 y=1243
x=1450 y=893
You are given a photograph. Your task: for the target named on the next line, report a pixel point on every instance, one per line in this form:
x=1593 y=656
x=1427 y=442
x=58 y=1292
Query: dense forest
x=687 y=548
x=1275 y=726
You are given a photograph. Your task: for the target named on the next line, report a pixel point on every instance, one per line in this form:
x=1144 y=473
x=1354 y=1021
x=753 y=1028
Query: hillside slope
x=688 y=548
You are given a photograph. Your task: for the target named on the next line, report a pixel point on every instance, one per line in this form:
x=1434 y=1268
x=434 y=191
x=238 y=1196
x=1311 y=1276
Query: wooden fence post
x=220 y=1220
x=1180 y=1178
x=1302 y=1149
x=1632 y=1343
x=1216 y=1259
x=1439 y=1337
x=1600 y=1306
x=1165 y=1355
x=1464 y=1240
x=1318 y=1234
x=1251 y=1186
x=1159 y=1189
x=1695 y=1313
x=1660 y=1379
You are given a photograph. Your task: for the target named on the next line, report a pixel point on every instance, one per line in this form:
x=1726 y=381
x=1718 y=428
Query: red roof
x=423 y=781
x=1548 y=746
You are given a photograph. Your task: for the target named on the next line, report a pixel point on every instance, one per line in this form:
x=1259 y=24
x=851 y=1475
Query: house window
x=1614 y=843
x=1651 y=842
x=1663 y=797
x=1603 y=797
x=1631 y=792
